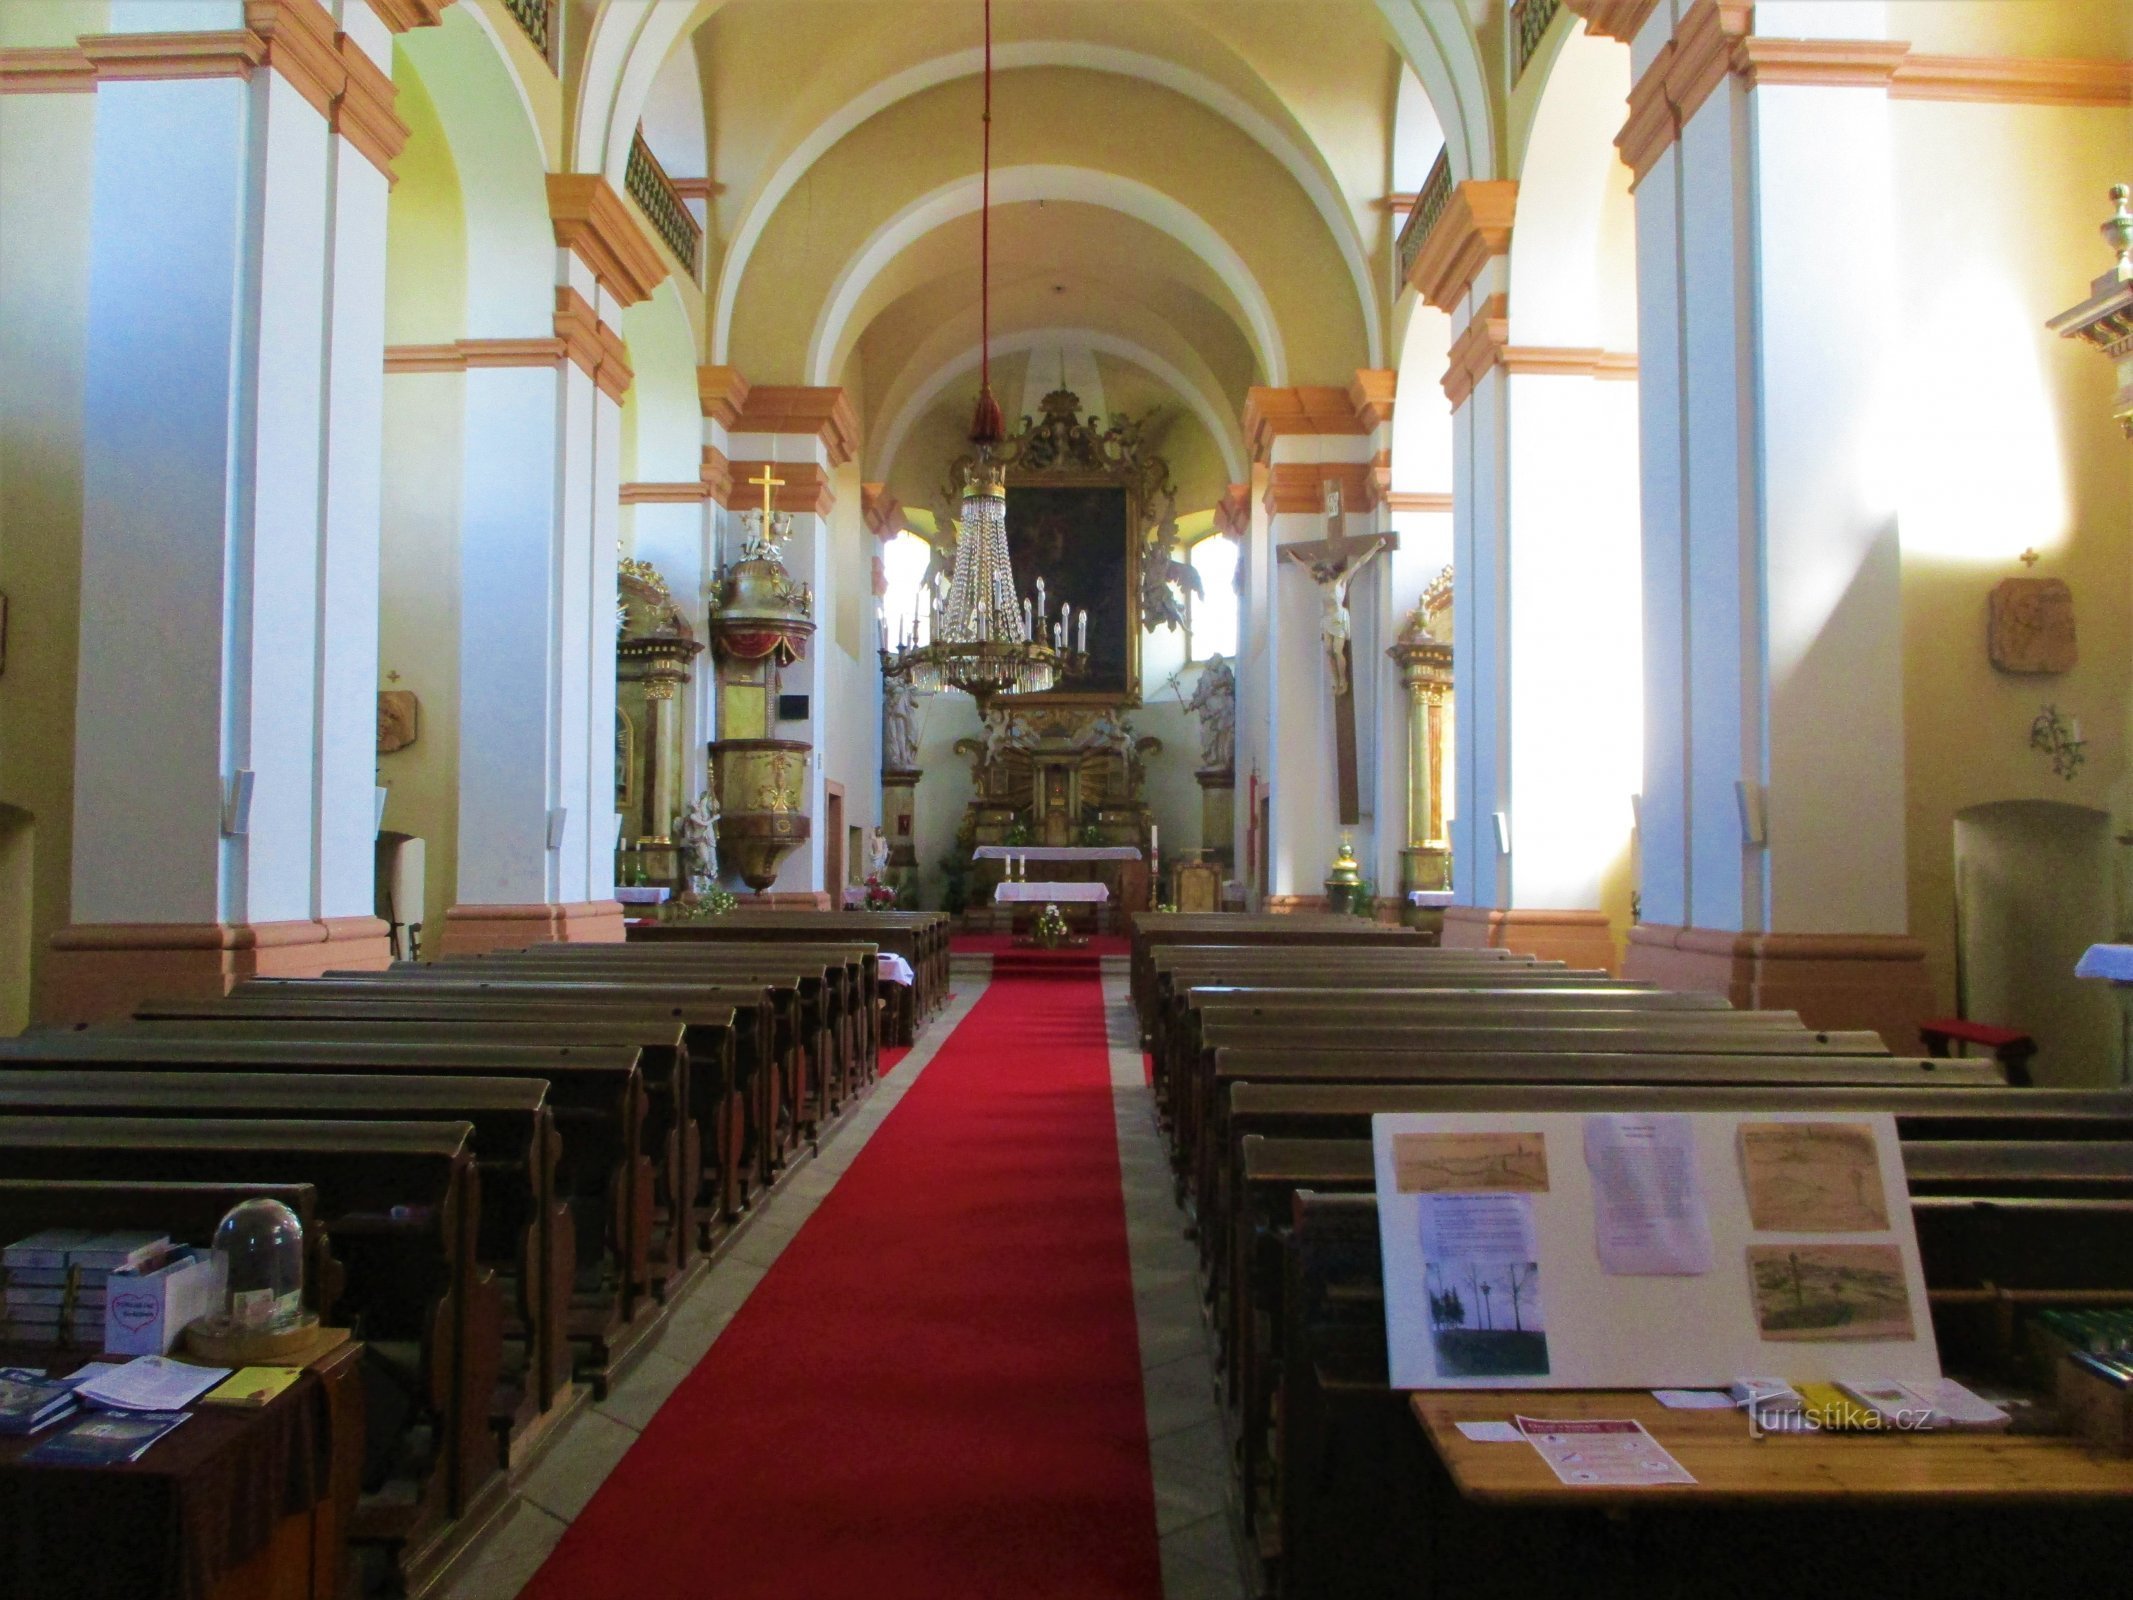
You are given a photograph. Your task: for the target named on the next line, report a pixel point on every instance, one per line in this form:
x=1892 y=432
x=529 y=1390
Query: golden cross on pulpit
x=766 y=483
x=1333 y=565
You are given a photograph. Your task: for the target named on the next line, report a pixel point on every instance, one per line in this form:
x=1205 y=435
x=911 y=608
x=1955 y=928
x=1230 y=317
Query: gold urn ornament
x=1344 y=880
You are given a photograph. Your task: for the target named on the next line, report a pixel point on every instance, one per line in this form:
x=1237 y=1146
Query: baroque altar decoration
x=1092 y=512
x=655 y=656
x=761 y=620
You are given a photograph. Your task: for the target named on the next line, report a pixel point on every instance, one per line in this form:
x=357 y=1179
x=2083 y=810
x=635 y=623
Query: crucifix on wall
x=1333 y=563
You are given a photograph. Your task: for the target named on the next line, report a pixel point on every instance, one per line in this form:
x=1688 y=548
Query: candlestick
x=1040 y=596
x=1029 y=620
x=1081 y=630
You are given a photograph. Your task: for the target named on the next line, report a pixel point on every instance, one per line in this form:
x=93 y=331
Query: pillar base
x=475 y=930
x=99 y=971
x=1833 y=980
x=1578 y=938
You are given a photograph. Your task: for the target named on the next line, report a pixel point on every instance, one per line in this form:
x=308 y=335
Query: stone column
x=225 y=809
x=542 y=498
x=1773 y=812
x=1306 y=438
x=1528 y=875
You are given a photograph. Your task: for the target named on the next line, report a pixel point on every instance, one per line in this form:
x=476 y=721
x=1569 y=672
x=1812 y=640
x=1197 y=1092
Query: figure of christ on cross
x=1333 y=564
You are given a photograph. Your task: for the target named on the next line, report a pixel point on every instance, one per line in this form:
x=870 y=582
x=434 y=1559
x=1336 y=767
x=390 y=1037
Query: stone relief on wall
x=2031 y=628
x=399 y=720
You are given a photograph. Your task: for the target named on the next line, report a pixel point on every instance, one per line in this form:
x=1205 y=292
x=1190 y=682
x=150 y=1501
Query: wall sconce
x=2059 y=738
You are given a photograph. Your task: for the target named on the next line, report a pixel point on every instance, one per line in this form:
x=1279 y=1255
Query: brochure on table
x=1639 y=1251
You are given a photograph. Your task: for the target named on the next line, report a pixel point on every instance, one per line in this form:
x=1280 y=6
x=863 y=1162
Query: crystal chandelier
x=979 y=637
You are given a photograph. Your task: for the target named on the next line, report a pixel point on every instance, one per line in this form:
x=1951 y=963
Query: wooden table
x=1731 y=1465
x=1399 y=1511
x=235 y=1504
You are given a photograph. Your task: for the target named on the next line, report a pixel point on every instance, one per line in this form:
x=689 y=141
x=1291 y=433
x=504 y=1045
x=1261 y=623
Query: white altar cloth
x=1056 y=852
x=642 y=894
x=895 y=969
x=1047 y=893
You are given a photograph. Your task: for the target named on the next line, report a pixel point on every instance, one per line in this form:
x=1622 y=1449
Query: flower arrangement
x=711 y=903
x=879 y=896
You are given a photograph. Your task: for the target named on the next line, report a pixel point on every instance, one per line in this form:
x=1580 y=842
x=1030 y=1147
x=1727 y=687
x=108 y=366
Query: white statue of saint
x=899 y=725
x=877 y=855
x=1214 y=699
x=696 y=834
x=1335 y=626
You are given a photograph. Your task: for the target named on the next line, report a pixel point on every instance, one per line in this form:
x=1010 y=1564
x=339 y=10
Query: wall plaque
x=2032 y=626
x=399 y=719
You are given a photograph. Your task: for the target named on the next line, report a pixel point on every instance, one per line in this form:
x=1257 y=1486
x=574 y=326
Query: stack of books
x=30 y=1401
x=53 y=1284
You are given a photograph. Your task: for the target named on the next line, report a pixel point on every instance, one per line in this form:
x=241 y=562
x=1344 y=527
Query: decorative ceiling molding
x=1475 y=226
x=1372 y=392
x=1613 y=19
x=401 y=15
x=1325 y=196
x=826 y=413
x=1478 y=349
x=2008 y=80
x=1015 y=185
x=805 y=486
x=1298 y=488
x=593 y=222
x=1279 y=413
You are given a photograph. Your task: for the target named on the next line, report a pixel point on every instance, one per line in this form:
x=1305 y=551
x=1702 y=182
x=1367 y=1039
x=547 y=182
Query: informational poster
x=1648 y=1212
x=1647 y=1251
x=1602 y=1453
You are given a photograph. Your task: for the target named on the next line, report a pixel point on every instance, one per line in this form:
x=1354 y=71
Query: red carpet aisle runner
x=936 y=1393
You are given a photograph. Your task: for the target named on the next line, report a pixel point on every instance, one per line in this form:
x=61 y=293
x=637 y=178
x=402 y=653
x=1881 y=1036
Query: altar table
x=1056 y=852
x=1018 y=889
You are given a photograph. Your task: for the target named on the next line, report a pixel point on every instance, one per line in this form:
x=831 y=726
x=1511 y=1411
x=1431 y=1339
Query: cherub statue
x=696 y=834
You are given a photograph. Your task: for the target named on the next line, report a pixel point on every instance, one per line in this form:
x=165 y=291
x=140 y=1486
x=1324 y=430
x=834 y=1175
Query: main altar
x=1067 y=781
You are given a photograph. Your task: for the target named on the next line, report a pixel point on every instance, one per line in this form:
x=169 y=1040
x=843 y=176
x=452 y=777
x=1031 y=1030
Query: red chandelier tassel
x=987 y=426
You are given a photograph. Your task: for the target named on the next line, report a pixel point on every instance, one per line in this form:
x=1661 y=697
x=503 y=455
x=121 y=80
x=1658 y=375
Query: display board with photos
x=1633 y=1250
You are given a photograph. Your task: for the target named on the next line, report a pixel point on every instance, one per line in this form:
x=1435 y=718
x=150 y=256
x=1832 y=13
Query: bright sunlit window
x=903 y=560
x=1211 y=616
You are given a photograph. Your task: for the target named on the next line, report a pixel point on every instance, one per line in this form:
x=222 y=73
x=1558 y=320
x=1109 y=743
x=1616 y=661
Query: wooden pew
x=403 y=1203
x=1149 y=930
x=604 y=1179
x=838 y=993
x=920 y=937
x=725 y=1063
x=526 y=1231
x=774 y=1125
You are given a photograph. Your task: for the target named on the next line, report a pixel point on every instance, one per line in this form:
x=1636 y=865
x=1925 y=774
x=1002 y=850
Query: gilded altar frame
x=1063 y=450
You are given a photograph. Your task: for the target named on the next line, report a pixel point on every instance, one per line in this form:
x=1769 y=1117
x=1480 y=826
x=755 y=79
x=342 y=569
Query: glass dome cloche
x=259 y=1245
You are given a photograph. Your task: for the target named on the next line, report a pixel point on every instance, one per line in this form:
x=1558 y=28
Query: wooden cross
x=1333 y=564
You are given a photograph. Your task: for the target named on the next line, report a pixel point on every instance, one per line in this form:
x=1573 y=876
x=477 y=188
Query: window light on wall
x=1211 y=615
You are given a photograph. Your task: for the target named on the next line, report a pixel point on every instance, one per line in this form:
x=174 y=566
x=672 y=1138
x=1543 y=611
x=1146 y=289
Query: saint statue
x=899 y=725
x=877 y=855
x=1214 y=699
x=696 y=832
x=1335 y=627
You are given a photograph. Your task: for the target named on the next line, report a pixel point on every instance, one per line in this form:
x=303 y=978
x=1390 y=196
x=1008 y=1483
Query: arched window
x=1211 y=615
x=904 y=560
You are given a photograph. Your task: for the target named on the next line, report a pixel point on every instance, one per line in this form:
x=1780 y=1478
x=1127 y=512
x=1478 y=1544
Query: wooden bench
x=773 y=1124
x=402 y=1200
x=920 y=937
x=1148 y=931
x=725 y=1062
x=597 y=1096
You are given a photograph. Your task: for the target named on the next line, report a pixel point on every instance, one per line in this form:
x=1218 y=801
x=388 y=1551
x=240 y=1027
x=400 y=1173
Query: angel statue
x=696 y=832
x=1166 y=580
x=1214 y=700
x=899 y=725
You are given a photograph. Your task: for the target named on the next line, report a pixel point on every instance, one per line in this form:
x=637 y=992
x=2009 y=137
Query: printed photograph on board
x=1813 y=1177
x=1829 y=1291
x=1481 y=1269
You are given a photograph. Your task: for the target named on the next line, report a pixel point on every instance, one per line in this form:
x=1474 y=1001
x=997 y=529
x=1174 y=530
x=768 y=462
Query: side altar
x=1061 y=776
